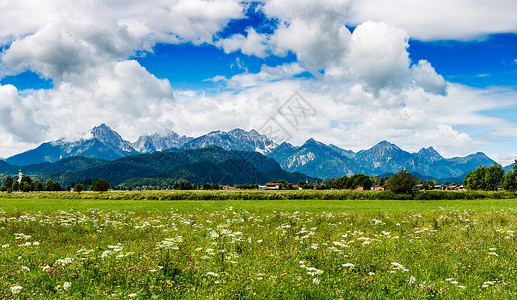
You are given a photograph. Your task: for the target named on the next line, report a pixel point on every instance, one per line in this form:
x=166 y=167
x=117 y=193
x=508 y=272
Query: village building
x=273 y=186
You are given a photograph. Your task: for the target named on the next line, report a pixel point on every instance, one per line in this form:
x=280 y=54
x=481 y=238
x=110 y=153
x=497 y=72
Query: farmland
x=52 y=246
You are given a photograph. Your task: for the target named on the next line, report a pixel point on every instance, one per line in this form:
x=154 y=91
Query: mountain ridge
x=313 y=158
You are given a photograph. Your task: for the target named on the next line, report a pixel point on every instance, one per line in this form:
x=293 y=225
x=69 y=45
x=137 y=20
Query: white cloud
x=251 y=44
x=378 y=56
x=369 y=91
x=18 y=125
x=425 y=76
x=266 y=74
x=122 y=94
x=62 y=49
x=440 y=19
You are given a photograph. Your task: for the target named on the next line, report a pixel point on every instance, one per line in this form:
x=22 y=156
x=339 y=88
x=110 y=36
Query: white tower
x=20 y=176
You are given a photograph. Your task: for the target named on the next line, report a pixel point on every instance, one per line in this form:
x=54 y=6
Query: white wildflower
x=212 y=274
x=16 y=289
x=131 y=295
x=67 y=285
x=25 y=268
x=398 y=266
x=348 y=265
x=316 y=281
x=412 y=279
x=314 y=271
x=64 y=261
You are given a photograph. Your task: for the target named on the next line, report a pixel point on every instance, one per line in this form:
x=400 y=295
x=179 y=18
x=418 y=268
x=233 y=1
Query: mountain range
x=211 y=164
x=313 y=158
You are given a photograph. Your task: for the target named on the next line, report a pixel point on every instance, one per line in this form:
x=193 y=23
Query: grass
x=231 y=249
x=334 y=206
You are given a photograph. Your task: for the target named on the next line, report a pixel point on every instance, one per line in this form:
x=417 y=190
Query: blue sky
x=416 y=74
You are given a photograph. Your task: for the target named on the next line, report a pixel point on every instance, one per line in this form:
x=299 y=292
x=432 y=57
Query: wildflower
x=398 y=266
x=412 y=279
x=16 y=289
x=314 y=271
x=131 y=295
x=493 y=253
x=67 y=285
x=461 y=286
x=64 y=262
x=25 y=268
x=316 y=281
x=348 y=265
x=371 y=273
x=212 y=274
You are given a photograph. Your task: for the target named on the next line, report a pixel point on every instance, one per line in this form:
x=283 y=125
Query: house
x=229 y=188
x=296 y=187
x=359 y=188
x=381 y=187
x=262 y=187
x=273 y=186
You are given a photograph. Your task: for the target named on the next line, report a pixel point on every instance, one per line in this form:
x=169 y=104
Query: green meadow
x=52 y=246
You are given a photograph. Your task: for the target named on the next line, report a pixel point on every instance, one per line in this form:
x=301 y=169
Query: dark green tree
x=510 y=179
x=15 y=186
x=359 y=180
x=475 y=180
x=25 y=186
x=52 y=186
x=100 y=185
x=485 y=178
x=494 y=177
x=37 y=186
x=402 y=182
x=78 y=187
x=8 y=183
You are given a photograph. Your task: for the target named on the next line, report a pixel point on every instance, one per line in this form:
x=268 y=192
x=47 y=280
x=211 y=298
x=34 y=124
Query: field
x=256 y=249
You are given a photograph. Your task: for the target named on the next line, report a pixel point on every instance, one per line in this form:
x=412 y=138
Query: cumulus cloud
x=375 y=54
x=365 y=88
x=18 y=123
x=266 y=74
x=62 y=49
x=251 y=44
x=122 y=94
x=440 y=19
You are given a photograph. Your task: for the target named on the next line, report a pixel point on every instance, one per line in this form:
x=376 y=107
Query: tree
x=8 y=183
x=402 y=182
x=475 y=180
x=15 y=187
x=100 y=185
x=37 y=186
x=359 y=180
x=485 y=178
x=79 y=187
x=494 y=177
x=510 y=179
x=52 y=186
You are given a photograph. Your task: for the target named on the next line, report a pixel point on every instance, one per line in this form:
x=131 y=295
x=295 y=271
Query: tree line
x=28 y=185
x=492 y=178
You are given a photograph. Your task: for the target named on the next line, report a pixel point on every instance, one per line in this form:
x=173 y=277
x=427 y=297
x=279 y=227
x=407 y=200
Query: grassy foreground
x=295 y=249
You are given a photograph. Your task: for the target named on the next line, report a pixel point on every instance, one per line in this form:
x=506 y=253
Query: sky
x=345 y=72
